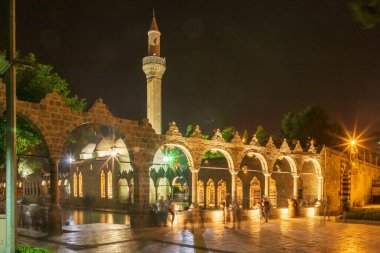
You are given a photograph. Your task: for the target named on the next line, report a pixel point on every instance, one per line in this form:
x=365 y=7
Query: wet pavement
x=290 y=235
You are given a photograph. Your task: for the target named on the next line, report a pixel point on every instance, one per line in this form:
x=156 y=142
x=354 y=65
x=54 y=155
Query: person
x=266 y=208
x=326 y=208
x=21 y=216
x=345 y=209
x=162 y=210
x=259 y=208
x=236 y=214
x=297 y=207
x=171 y=207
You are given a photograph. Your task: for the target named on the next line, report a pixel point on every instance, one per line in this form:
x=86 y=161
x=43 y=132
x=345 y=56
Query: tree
x=245 y=137
x=34 y=82
x=312 y=123
x=261 y=135
x=228 y=133
x=366 y=12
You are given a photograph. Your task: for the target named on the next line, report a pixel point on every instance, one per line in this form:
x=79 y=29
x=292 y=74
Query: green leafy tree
x=34 y=82
x=228 y=133
x=245 y=137
x=261 y=135
x=189 y=130
x=366 y=12
x=312 y=123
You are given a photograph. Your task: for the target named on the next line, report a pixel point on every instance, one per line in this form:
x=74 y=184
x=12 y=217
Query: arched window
x=102 y=185
x=239 y=191
x=222 y=192
x=201 y=193
x=254 y=192
x=210 y=194
x=80 y=185
x=109 y=185
x=273 y=192
x=75 y=185
x=123 y=190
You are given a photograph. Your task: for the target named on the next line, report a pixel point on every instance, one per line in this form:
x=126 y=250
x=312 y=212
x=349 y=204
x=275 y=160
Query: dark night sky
x=240 y=63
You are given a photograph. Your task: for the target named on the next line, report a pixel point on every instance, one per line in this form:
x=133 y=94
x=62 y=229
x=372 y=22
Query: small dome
x=105 y=144
x=89 y=148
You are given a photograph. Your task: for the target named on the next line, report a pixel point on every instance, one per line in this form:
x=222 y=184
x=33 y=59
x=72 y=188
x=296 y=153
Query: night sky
x=239 y=63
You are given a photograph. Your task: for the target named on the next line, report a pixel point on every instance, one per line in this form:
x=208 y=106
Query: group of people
x=263 y=208
x=35 y=217
x=162 y=209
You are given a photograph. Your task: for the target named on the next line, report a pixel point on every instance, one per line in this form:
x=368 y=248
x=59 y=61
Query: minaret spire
x=154 y=68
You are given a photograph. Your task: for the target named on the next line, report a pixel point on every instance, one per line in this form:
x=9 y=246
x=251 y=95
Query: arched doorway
x=252 y=173
x=210 y=194
x=170 y=175
x=283 y=171
x=255 y=194
x=215 y=172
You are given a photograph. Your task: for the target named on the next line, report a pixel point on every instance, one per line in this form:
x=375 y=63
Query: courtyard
x=278 y=235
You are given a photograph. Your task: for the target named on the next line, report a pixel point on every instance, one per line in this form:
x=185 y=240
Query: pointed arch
x=273 y=192
x=102 y=185
x=222 y=192
x=201 y=193
x=75 y=185
x=80 y=185
x=254 y=192
x=109 y=185
x=210 y=194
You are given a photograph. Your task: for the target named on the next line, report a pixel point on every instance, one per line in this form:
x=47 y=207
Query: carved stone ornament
x=285 y=147
x=237 y=139
x=218 y=136
x=298 y=147
x=270 y=144
x=312 y=148
x=255 y=141
x=197 y=133
x=173 y=130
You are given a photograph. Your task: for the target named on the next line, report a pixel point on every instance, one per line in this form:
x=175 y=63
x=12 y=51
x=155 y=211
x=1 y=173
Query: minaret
x=154 y=68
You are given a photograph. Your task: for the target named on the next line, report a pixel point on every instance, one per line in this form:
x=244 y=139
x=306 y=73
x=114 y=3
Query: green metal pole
x=11 y=161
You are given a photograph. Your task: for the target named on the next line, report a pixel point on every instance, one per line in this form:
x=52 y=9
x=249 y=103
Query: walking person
x=171 y=208
x=326 y=208
x=266 y=208
x=259 y=208
x=345 y=209
x=236 y=215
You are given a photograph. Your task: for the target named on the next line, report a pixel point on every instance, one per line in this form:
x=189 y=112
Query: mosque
x=136 y=164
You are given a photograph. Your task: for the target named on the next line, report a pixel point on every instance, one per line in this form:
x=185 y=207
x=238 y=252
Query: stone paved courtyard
x=295 y=235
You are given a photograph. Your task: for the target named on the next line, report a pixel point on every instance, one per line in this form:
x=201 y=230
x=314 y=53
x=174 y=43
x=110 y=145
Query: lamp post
x=11 y=161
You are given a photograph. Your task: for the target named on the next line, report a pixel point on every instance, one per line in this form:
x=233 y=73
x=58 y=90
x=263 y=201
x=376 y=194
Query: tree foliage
x=34 y=82
x=312 y=123
x=228 y=133
x=366 y=12
x=261 y=135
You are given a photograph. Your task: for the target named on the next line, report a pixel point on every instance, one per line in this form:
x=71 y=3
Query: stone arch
x=185 y=150
x=263 y=161
x=227 y=155
x=292 y=163
x=318 y=174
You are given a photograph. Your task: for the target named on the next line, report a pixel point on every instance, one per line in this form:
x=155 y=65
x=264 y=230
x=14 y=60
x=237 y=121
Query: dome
x=89 y=148
x=105 y=144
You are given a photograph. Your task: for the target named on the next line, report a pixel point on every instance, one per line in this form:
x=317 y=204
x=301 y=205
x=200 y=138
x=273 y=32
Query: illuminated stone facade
x=248 y=173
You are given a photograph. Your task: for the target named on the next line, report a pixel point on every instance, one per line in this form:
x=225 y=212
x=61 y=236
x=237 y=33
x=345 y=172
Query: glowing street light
x=352 y=142
x=167 y=159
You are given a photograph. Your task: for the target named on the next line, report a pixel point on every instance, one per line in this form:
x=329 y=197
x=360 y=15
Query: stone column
x=320 y=188
x=266 y=189
x=233 y=186
x=55 y=211
x=194 y=187
x=295 y=186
